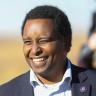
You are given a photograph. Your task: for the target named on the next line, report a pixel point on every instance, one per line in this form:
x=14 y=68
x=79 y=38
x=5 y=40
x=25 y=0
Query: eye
x=43 y=41
x=46 y=40
x=27 y=42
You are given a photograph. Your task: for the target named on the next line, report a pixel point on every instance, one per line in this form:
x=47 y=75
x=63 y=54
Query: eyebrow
x=26 y=38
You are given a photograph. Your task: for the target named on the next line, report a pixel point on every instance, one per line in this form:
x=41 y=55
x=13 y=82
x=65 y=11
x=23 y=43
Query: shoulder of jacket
x=16 y=81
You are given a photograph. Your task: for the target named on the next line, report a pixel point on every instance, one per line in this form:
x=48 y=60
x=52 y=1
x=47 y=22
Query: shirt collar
x=68 y=75
x=33 y=79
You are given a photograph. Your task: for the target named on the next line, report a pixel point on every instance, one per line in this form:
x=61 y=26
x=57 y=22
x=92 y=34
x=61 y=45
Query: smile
x=40 y=61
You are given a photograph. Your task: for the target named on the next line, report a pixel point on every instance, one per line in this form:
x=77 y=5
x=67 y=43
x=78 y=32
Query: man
x=87 y=56
x=46 y=33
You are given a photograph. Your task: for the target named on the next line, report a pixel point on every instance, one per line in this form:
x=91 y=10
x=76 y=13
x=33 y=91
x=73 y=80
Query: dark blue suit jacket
x=83 y=84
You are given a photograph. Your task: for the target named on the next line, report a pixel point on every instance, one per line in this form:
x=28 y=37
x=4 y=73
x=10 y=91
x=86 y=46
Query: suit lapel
x=27 y=89
x=80 y=90
x=80 y=84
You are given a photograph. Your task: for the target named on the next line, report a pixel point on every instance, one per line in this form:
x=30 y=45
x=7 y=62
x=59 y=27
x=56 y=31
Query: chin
x=38 y=70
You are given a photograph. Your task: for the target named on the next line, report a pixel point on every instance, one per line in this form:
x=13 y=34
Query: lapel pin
x=83 y=89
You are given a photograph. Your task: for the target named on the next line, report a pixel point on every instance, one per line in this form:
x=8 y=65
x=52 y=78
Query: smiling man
x=47 y=35
x=43 y=49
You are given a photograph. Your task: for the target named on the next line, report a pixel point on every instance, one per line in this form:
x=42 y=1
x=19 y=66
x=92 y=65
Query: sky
x=12 y=13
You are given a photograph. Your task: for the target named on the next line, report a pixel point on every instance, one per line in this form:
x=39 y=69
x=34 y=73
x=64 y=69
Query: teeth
x=38 y=60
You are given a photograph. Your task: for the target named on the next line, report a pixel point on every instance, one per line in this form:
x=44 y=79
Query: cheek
x=26 y=50
x=57 y=53
x=53 y=49
x=50 y=49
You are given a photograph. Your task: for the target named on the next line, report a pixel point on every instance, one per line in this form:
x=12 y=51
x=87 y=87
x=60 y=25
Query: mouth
x=41 y=61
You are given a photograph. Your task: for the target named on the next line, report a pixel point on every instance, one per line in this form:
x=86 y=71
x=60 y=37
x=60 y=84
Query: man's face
x=43 y=51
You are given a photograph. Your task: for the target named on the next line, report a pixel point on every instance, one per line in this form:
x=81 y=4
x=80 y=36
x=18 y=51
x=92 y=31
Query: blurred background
x=12 y=13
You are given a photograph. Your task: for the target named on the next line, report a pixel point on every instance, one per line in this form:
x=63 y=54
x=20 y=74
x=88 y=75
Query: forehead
x=44 y=26
x=39 y=22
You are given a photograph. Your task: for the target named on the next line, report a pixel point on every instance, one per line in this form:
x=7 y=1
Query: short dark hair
x=61 y=22
x=93 y=26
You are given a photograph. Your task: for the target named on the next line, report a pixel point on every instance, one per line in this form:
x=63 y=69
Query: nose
x=35 y=50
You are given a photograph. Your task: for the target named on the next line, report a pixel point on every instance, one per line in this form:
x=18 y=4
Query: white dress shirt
x=61 y=88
